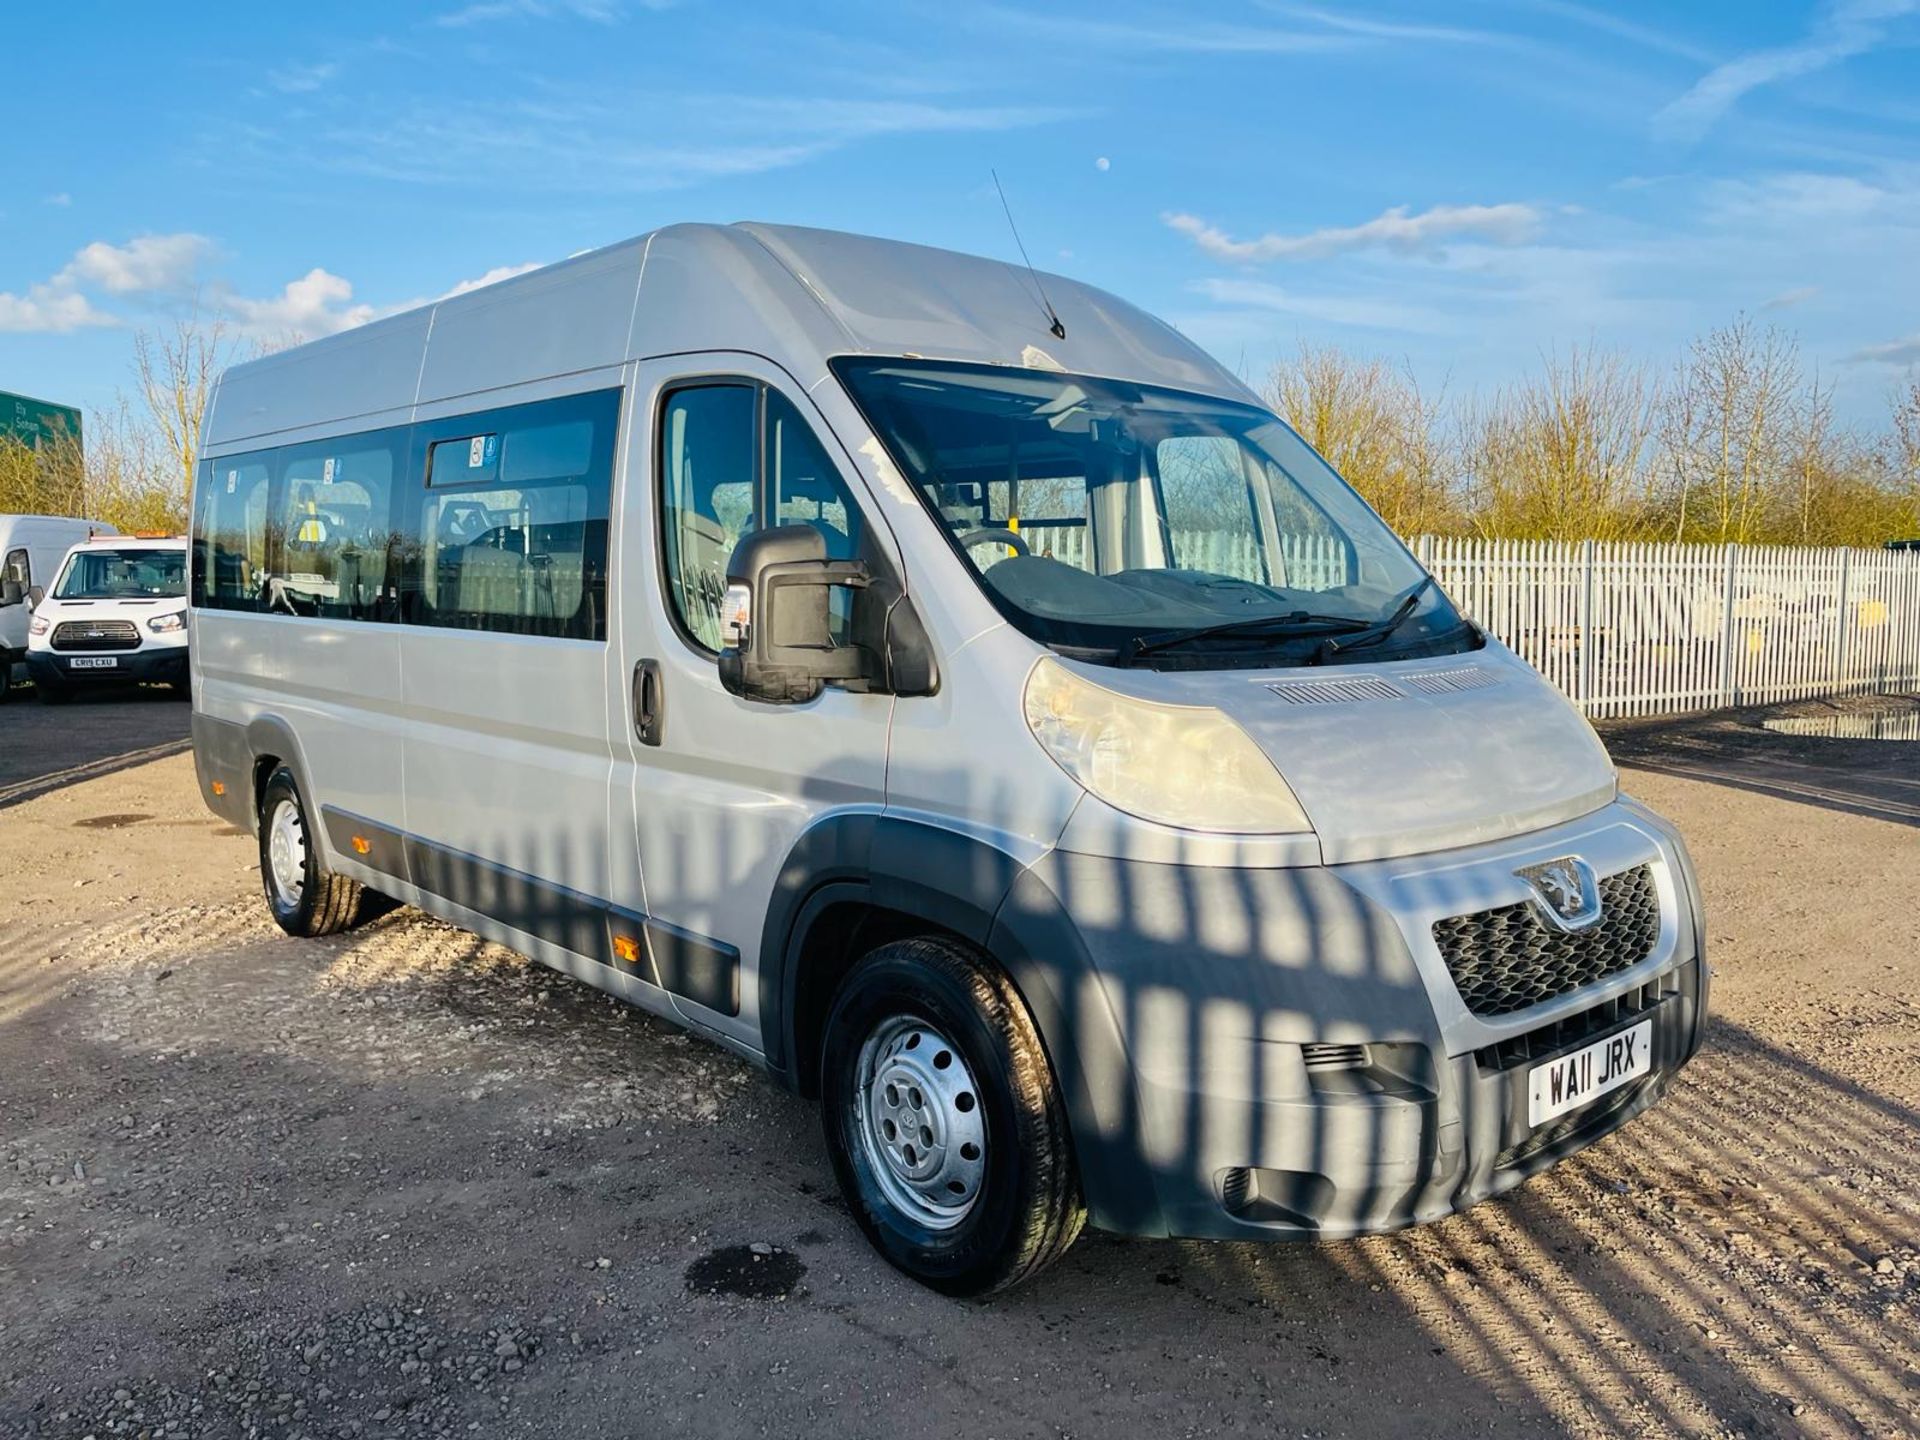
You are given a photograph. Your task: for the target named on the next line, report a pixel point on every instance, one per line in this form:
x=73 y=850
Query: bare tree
x=1904 y=454
x=1377 y=428
x=176 y=369
x=1560 y=457
x=1725 y=431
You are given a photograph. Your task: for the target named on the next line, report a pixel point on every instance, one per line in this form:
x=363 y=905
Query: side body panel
x=717 y=805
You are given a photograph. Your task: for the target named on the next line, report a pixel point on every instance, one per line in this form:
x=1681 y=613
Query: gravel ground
x=403 y=1183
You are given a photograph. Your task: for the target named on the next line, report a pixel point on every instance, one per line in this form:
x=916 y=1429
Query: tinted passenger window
x=335 y=527
x=231 y=533
x=513 y=529
x=730 y=454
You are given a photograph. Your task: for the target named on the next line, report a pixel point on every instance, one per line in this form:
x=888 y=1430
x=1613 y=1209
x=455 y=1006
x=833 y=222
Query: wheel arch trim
x=961 y=884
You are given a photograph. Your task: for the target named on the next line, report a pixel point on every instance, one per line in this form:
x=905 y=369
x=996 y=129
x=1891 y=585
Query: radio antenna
x=1054 y=324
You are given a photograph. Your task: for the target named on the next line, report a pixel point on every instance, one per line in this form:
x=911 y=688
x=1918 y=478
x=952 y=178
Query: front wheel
x=944 y=1122
x=306 y=898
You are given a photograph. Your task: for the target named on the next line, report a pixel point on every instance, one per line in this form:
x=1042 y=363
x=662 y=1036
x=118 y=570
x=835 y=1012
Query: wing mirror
x=776 y=624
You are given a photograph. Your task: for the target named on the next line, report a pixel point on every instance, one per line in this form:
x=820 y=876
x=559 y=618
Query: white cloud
x=1899 y=353
x=1393 y=229
x=594 y=146
x=318 y=303
x=155 y=269
x=48 y=309
x=1182 y=36
x=1363 y=312
x=1787 y=299
x=1846 y=28
x=144 y=264
x=602 y=12
x=301 y=79
x=492 y=277
x=1799 y=197
x=60 y=199
x=1103 y=163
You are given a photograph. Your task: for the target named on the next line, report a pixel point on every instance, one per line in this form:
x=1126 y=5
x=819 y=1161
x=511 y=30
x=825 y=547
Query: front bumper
x=150 y=664
x=1282 y=1054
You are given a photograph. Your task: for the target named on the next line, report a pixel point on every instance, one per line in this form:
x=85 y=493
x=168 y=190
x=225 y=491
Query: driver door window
x=733 y=457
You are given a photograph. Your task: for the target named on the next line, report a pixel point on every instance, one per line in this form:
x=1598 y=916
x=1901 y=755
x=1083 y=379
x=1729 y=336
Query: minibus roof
x=794 y=295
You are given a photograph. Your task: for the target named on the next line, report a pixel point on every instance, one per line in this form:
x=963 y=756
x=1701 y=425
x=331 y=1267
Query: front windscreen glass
x=103 y=574
x=1140 y=525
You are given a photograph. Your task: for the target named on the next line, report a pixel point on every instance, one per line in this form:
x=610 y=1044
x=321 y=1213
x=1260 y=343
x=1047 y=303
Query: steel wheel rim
x=918 y=1118
x=286 y=854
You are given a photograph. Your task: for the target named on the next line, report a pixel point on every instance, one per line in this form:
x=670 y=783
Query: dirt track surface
x=405 y=1183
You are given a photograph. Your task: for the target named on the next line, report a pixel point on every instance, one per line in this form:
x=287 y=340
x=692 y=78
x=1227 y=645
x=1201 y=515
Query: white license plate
x=94 y=662
x=1588 y=1073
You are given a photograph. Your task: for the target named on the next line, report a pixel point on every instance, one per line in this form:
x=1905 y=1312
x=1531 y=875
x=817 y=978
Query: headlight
x=39 y=625
x=1185 y=765
x=164 y=624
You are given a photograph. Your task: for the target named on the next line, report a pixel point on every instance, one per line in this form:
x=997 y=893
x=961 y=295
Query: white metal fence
x=1643 y=629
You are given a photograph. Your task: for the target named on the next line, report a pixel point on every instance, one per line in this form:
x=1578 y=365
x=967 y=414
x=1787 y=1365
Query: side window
x=735 y=456
x=804 y=488
x=1315 y=554
x=708 y=489
x=233 y=539
x=334 y=521
x=1210 y=524
x=513 y=527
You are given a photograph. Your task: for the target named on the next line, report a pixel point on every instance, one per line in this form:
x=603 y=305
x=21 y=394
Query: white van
x=116 y=614
x=31 y=549
x=984 y=715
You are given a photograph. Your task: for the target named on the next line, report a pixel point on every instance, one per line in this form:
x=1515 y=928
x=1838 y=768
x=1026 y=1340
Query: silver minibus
x=957 y=695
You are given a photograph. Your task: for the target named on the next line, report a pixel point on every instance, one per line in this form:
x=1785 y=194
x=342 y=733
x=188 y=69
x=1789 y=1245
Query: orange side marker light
x=627 y=948
x=219 y=787
x=361 y=845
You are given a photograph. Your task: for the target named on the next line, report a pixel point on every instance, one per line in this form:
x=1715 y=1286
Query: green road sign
x=36 y=424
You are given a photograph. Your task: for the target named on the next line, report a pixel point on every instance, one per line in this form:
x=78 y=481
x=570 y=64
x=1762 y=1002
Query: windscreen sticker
x=326 y=471
x=233 y=479
x=482 y=450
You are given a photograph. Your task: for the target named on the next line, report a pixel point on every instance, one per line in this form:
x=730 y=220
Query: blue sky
x=1460 y=187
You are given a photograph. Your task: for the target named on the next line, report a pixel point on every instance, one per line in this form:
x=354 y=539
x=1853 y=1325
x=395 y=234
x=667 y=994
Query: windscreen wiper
x=1373 y=634
x=1297 y=625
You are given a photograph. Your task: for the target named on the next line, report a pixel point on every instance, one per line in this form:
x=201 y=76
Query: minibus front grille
x=1576 y=1030
x=96 y=635
x=1509 y=959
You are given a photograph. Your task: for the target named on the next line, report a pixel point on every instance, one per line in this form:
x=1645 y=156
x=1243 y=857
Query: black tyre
x=306 y=898
x=944 y=1122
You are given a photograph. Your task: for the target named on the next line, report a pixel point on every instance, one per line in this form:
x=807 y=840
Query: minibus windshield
x=1135 y=524
x=124 y=575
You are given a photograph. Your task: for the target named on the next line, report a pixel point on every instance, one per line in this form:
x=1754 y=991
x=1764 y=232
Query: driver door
x=721 y=787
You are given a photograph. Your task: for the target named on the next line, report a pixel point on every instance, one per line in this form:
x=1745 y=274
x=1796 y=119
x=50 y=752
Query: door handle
x=649 y=702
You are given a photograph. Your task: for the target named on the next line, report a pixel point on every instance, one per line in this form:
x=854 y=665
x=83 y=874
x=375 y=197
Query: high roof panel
x=793 y=294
